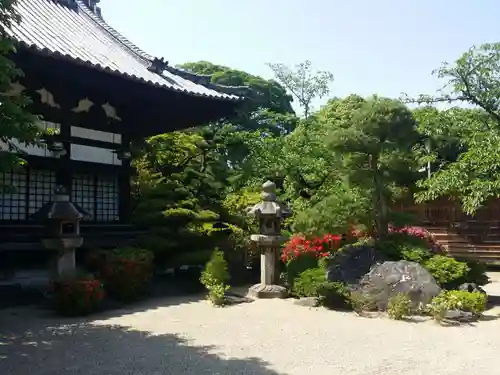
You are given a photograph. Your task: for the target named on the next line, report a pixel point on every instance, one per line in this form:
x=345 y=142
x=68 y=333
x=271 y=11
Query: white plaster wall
x=78 y=152
x=34 y=150
x=95 y=135
x=94 y=154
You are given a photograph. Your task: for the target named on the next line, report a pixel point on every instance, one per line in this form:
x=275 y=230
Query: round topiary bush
x=308 y=282
x=447 y=271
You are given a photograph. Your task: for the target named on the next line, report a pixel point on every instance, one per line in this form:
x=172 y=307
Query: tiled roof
x=78 y=34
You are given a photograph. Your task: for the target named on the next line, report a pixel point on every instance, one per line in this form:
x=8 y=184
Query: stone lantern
x=270 y=214
x=61 y=219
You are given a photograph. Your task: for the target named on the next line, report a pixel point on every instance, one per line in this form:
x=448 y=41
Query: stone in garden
x=391 y=278
x=460 y=316
x=352 y=263
x=471 y=287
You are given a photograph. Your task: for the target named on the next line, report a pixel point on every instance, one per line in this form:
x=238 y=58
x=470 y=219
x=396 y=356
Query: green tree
x=304 y=84
x=472 y=178
x=268 y=106
x=16 y=123
x=250 y=142
x=179 y=193
x=376 y=144
x=267 y=94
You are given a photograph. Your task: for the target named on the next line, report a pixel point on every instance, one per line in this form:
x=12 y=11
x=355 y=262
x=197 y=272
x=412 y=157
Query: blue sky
x=380 y=47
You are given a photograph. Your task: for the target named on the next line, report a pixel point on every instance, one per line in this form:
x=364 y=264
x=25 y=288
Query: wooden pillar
x=124 y=188
x=63 y=173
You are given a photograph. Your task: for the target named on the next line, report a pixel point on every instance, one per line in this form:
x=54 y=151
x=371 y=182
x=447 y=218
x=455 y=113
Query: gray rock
x=471 y=287
x=352 y=263
x=391 y=278
x=460 y=316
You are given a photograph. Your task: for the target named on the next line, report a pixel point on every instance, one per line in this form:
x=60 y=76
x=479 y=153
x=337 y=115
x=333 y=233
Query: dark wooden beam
x=161 y=110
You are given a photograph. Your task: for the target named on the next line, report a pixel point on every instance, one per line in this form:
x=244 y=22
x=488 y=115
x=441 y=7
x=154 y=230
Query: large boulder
x=352 y=263
x=391 y=278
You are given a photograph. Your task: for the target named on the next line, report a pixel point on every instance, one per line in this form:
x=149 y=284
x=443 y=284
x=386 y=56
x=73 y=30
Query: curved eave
x=71 y=59
x=205 y=80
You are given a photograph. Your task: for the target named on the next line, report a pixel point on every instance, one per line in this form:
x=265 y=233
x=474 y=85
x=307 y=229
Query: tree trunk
x=379 y=201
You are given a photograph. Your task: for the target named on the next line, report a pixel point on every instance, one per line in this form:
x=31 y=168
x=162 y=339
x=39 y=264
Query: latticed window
x=23 y=192
x=83 y=193
x=41 y=186
x=107 y=199
x=98 y=195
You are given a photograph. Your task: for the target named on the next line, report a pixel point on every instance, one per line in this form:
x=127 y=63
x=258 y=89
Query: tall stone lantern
x=270 y=215
x=61 y=219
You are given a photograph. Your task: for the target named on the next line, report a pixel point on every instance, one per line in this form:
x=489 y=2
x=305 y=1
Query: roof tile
x=83 y=36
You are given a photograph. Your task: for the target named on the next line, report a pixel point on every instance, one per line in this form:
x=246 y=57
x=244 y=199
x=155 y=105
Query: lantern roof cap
x=60 y=208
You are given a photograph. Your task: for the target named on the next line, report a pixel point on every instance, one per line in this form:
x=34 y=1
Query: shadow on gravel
x=493 y=300
x=30 y=345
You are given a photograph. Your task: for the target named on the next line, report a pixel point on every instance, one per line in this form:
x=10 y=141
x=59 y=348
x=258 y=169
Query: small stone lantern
x=270 y=214
x=61 y=219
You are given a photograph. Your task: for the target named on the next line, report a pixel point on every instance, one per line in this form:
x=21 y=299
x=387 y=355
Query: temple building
x=95 y=93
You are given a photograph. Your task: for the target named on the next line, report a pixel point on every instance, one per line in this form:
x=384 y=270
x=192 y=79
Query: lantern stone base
x=63 y=264
x=267 y=291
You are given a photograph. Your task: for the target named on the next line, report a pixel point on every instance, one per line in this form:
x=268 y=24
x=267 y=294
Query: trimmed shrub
x=300 y=254
x=297 y=265
x=361 y=303
x=75 y=296
x=308 y=282
x=415 y=254
x=398 y=246
x=473 y=302
x=214 y=277
x=312 y=283
x=448 y=272
x=477 y=273
x=399 y=306
x=334 y=295
x=127 y=273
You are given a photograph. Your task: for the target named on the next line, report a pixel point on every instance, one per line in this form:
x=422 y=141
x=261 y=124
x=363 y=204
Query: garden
x=345 y=170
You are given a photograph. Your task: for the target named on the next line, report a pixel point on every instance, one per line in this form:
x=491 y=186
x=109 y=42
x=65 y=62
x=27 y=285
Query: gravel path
x=275 y=337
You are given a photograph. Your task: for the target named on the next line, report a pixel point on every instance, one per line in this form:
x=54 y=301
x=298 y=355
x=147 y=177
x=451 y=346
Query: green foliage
x=179 y=193
x=401 y=246
x=299 y=264
x=477 y=273
x=415 y=254
x=307 y=283
x=16 y=123
x=304 y=84
x=312 y=283
x=473 y=302
x=376 y=141
x=349 y=162
x=333 y=213
x=399 y=306
x=362 y=303
x=126 y=273
x=448 y=272
x=236 y=204
x=264 y=93
x=214 y=278
x=473 y=176
x=334 y=295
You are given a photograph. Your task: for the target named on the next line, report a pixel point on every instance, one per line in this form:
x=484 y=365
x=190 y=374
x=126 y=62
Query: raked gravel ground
x=186 y=336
